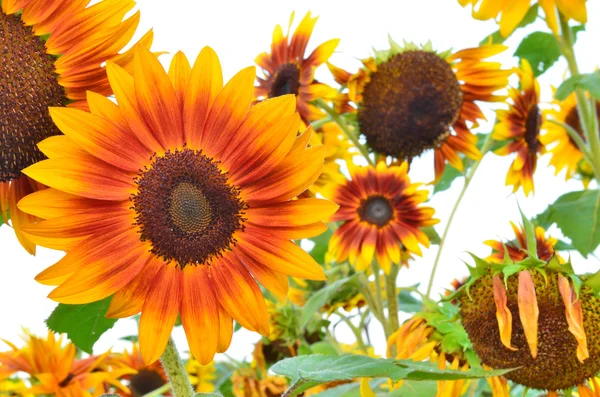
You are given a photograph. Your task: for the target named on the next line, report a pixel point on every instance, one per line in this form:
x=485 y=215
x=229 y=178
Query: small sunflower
x=201 y=376
x=517 y=250
x=521 y=125
x=413 y=99
x=564 y=151
x=55 y=369
x=253 y=380
x=14 y=387
x=287 y=70
x=380 y=208
x=140 y=379
x=536 y=316
x=174 y=211
x=512 y=12
x=51 y=54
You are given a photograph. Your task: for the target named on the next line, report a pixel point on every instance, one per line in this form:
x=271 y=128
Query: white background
x=238 y=31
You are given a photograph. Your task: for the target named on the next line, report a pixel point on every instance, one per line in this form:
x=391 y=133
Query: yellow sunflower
x=178 y=200
x=517 y=250
x=201 y=376
x=564 y=151
x=380 y=208
x=512 y=12
x=55 y=369
x=413 y=99
x=51 y=54
x=140 y=379
x=521 y=125
x=287 y=70
x=14 y=387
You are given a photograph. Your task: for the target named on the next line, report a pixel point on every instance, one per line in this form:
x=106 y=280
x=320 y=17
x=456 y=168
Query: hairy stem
x=175 y=370
x=392 y=300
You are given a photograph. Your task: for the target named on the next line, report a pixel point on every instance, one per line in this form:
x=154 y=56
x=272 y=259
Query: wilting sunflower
x=202 y=377
x=55 y=369
x=287 y=70
x=565 y=152
x=380 y=208
x=517 y=250
x=140 y=379
x=177 y=201
x=412 y=99
x=520 y=125
x=51 y=54
x=512 y=12
x=536 y=316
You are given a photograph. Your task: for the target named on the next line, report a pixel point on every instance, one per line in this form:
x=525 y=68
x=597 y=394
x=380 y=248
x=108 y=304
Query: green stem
x=349 y=133
x=160 y=391
x=365 y=290
x=378 y=294
x=175 y=370
x=574 y=135
x=357 y=331
x=293 y=389
x=392 y=300
x=468 y=178
x=586 y=113
x=319 y=123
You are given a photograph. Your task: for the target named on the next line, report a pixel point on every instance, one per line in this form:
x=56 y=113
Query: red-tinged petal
x=239 y=295
x=322 y=53
x=107 y=109
x=199 y=314
x=52 y=203
x=206 y=81
x=129 y=300
x=503 y=314
x=574 y=315
x=292 y=213
x=528 y=310
x=160 y=312
x=225 y=330
x=301 y=36
x=179 y=73
x=274 y=281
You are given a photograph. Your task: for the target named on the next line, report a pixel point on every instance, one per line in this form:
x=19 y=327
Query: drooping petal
x=574 y=315
x=503 y=314
x=528 y=310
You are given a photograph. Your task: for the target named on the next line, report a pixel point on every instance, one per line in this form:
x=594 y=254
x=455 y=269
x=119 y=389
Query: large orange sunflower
x=51 y=53
x=521 y=125
x=413 y=99
x=287 y=70
x=55 y=369
x=177 y=200
x=380 y=208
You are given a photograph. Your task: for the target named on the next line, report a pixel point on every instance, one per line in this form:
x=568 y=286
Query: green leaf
x=577 y=214
x=529 y=235
x=496 y=37
x=208 y=395
x=321 y=297
x=540 y=49
x=321 y=368
x=407 y=303
x=83 y=324
x=449 y=175
x=432 y=234
x=589 y=82
x=321 y=244
x=323 y=348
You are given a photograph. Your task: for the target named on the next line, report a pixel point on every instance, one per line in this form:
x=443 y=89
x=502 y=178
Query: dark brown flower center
x=572 y=120
x=144 y=382
x=28 y=85
x=533 y=123
x=186 y=208
x=65 y=382
x=556 y=366
x=376 y=210
x=410 y=104
x=285 y=80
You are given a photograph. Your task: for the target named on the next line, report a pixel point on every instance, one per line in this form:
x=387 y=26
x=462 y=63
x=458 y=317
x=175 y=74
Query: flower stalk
x=175 y=370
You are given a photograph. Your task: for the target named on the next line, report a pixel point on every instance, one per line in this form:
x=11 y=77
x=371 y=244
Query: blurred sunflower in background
x=52 y=52
x=379 y=208
x=520 y=126
x=288 y=70
x=411 y=99
x=253 y=380
x=566 y=155
x=202 y=377
x=517 y=249
x=509 y=14
x=139 y=378
x=155 y=203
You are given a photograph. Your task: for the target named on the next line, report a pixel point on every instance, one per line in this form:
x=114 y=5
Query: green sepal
x=593 y=281
x=529 y=234
x=509 y=270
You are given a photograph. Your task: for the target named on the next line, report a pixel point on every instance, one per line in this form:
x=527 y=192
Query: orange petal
x=52 y=203
x=160 y=312
x=503 y=315
x=129 y=300
x=292 y=213
x=574 y=316
x=528 y=310
x=179 y=73
x=274 y=281
x=225 y=330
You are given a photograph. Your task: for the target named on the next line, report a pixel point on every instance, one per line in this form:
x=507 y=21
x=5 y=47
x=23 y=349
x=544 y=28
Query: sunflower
x=413 y=99
x=565 y=152
x=287 y=70
x=534 y=315
x=177 y=201
x=380 y=208
x=512 y=12
x=51 y=54
x=521 y=125
x=517 y=250
x=14 y=387
x=201 y=376
x=140 y=379
x=55 y=369
x=253 y=380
